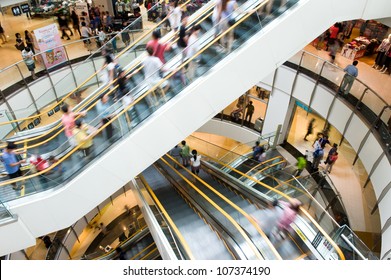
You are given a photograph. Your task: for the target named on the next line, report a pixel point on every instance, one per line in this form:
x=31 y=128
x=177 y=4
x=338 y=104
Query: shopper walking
x=19 y=42
x=103 y=108
x=28 y=37
x=12 y=164
x=175 y=16
x=331 y=160
x=332 y=151
x=63 y=23
x=195 y=162
x=82 y=137
x=317 y=155
x=75 y=22
x=301 y=164
x=28 y=57
x=152 y=66
x=288 y=217
x=349 y=77
x=310 y=129
x=86 y=33
x=185 y=153
x=158 y=47
x=68 y=121
x=192 y=49
x=249 y=111
x=226 y=18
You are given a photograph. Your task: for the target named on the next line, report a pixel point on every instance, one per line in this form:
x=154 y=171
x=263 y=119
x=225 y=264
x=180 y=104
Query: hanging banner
x=49 y=41
x=79 y=8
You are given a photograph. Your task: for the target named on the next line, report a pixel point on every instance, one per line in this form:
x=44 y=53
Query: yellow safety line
x=142 y=251
x=218 y=208
x=233 y=205
x=336 y=247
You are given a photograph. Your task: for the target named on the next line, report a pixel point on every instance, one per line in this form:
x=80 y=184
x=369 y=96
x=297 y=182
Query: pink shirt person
x=68 y=119
x=289 y=214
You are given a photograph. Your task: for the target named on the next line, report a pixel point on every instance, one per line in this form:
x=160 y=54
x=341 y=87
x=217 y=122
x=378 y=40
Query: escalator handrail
x=329 y=239
x=233 y=205
x=177 y=232
x=220 y=209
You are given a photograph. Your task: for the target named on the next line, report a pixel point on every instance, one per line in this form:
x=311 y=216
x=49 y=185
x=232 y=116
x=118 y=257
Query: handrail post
x=9 y=108
x=28 y=88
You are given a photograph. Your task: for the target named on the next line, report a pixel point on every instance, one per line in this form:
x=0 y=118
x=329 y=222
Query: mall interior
x=131 y=189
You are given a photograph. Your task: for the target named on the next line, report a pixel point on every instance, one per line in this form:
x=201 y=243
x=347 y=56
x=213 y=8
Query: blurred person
x=317 y=155
x=86 y=33
x=332 y=151
x=29 y=40
x=103 y=108
x=257 y=150
x=310 y=129
x=2 y=35
x=301 y=164
x=64 y=25
x=152 y=66
x=125 y=37
x=193 y=46
x=288 y=216
x=28 y=57
x=158 y=47
x=226 y=17
x=101 y=37
x=109 y=67
x=183 y=37
x=270 y=6
x=82 y=136
x=175 y=16
x=68 y=121
x=75 y=22
x=330 y=162
x=12 y=164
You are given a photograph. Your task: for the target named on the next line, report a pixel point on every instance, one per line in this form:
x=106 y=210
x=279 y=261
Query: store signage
x=16 y=11
x=25 y=8
x=49 y=41
x=79 y=8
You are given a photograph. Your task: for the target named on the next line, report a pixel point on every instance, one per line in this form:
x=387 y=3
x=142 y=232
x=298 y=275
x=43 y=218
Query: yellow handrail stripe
x=233 y=205
x=336 y=247
x=263 y=162
x=168 y=218
x=221 y=210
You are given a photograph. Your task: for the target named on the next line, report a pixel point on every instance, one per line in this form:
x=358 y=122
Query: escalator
x=138 y=141
x=245 y=209
x=204 y=242
x=140 y=246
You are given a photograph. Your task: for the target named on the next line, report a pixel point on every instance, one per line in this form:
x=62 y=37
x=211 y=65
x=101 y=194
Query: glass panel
x=371 y=106
x=10 y=77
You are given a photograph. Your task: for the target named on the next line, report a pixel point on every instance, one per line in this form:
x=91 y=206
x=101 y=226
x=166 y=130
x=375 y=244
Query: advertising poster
x=80 y=7
x=49 y=41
